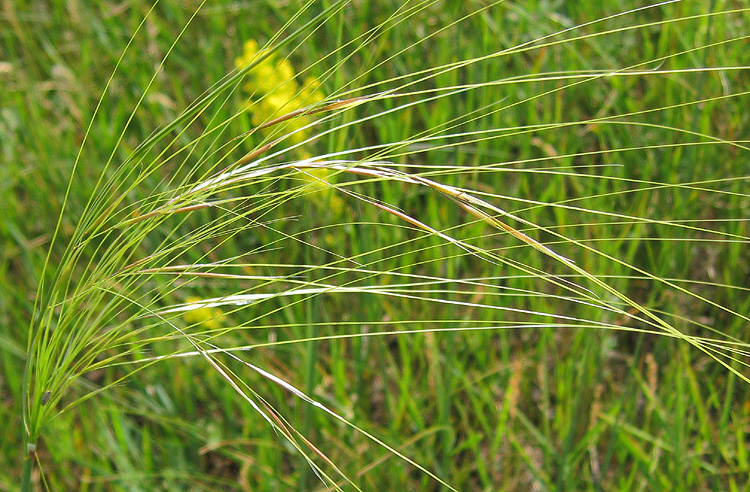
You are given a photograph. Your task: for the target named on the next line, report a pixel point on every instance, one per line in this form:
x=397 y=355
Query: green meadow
x=374 y=245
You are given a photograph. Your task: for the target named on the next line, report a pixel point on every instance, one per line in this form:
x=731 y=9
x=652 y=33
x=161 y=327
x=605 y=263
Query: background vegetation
x=622 y=137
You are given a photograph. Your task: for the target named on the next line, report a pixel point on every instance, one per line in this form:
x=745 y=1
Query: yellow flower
x=274 y=91
x=210 y=317
x=319 y=185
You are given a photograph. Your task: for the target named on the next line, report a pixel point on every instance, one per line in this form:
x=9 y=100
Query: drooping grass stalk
x=167 y=219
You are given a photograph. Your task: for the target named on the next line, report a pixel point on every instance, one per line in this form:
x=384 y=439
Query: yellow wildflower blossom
x=209 y=317
x=320 y=184
x=274 y=91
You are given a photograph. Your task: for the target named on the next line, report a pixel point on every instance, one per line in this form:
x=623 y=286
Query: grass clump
x=425 y=245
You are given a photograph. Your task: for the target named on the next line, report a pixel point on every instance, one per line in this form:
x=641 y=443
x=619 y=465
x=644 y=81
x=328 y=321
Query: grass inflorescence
x=375 y=245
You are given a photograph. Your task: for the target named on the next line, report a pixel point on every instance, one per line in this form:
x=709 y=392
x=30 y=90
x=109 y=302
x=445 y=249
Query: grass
x=518 y=260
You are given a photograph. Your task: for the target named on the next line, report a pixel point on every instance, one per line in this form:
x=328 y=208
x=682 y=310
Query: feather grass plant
x=529 y=185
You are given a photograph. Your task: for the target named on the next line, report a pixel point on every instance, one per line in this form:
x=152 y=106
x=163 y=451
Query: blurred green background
x=657 y=185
